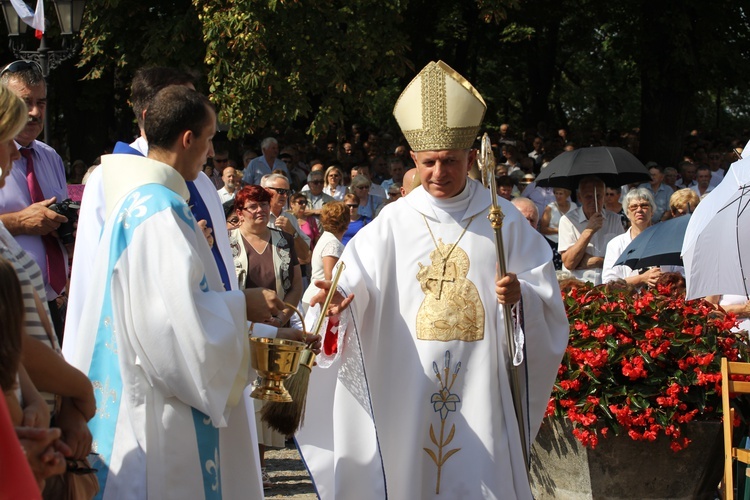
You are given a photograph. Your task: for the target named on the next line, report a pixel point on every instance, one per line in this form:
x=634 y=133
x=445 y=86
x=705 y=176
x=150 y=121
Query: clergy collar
x=477 y=200
x=121 y=174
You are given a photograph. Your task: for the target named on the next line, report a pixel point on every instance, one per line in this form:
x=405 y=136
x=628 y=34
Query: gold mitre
x=439 y=109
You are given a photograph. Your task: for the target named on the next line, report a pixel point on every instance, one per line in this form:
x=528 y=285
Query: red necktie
x=55 y=258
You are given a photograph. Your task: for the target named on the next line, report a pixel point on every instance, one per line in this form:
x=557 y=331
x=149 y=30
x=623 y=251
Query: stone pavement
x=289 y=476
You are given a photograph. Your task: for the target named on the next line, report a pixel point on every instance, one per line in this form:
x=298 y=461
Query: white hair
x=267 y=142
x=269 y=178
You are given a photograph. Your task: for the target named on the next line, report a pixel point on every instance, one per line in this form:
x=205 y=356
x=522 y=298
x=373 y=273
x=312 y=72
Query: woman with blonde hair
x=334 y=181
x=13 y=117
x=683 y=201
x=335 y=220
x=39 y=344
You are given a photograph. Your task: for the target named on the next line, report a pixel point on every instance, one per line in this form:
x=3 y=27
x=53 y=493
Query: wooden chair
x=728 y=369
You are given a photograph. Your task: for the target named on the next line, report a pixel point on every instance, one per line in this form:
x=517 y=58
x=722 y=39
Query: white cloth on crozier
x=369 y=415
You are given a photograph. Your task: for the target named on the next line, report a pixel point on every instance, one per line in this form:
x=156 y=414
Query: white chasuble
x=416 y=403
x=167 y=352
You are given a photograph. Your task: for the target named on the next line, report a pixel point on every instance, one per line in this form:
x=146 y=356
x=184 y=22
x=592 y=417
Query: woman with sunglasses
x=265 y=258
x=309 y=224
x=335 y=183
x=368 y=203
x=356 y=221
x=298 y=205
x=639 y=206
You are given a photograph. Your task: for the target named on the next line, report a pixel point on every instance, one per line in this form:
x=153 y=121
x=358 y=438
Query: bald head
x=528 y=210
x=411 y=180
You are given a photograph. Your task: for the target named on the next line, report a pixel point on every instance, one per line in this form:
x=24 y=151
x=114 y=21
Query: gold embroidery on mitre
x=450 y=110
x=452 y=308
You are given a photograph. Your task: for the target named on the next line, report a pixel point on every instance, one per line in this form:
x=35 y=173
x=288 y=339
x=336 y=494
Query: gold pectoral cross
x=439 y=277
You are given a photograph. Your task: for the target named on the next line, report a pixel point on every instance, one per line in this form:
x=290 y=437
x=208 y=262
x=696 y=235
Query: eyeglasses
x=317 y=183
x=221 y=160
x=254 y=208
x=300 y=203
x=354 y=205
x=233 y=220
x=281 y=191
x=21 y=65
x=641 y=206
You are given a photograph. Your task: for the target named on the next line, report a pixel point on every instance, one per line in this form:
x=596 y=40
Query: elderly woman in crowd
x=368 y=203
x=335 y=183
x=264 y=258
x=639 y=205
x=335 y=221
x=551 y=219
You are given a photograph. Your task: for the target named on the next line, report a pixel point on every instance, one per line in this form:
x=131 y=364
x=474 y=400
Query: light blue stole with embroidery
x=104 y=370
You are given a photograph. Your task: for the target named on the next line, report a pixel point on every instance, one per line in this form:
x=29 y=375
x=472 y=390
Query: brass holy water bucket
x=275 y=360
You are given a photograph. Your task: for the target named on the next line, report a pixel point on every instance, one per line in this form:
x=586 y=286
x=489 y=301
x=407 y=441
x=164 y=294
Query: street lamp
x=69 y=14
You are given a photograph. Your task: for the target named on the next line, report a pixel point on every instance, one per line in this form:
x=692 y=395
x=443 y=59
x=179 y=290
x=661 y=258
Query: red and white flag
x=35 y=19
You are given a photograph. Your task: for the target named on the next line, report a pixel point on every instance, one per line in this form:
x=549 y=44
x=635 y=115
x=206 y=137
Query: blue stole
x=200 y=211
x=197 y=206
x=104 y=370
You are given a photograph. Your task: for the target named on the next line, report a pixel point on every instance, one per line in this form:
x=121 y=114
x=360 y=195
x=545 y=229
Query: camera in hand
x=69 y=209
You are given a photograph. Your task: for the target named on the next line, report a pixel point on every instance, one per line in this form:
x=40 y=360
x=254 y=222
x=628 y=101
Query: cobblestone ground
x=289 y=476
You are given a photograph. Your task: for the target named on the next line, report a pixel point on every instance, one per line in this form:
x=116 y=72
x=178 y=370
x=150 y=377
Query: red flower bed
x=641 y=362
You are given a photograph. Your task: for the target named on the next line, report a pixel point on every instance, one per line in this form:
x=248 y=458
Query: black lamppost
x=69 y=14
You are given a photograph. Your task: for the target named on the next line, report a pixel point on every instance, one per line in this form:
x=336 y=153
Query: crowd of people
x=140 y=346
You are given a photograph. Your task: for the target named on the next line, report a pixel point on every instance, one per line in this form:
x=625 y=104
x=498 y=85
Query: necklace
x=441 y=278
x=253 y=245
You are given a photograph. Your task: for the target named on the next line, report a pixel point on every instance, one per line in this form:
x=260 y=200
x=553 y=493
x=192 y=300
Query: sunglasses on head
x=21 y=65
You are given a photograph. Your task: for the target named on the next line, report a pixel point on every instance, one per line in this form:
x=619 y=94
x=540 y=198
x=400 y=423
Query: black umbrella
x=657 y=245
x=615 y=166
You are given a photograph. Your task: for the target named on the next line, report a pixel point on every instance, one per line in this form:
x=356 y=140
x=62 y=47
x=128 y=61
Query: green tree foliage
x=315 y=62
x=316 y=65
x=126 y=35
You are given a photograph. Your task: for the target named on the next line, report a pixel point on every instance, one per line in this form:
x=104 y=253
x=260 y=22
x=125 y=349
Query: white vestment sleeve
x=190 y=341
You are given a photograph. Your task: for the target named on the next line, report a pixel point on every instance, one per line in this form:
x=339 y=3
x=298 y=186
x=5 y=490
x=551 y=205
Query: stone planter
x=620 y=468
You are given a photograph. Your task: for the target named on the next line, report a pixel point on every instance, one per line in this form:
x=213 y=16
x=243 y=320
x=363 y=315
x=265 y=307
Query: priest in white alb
x=412 y=399
x=163 y=343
